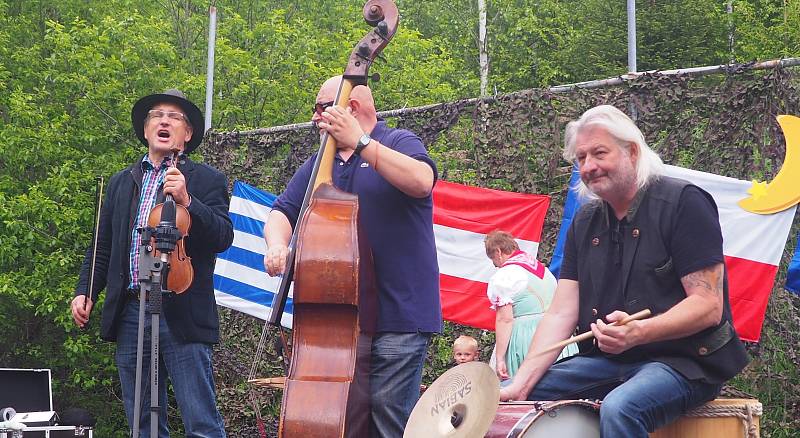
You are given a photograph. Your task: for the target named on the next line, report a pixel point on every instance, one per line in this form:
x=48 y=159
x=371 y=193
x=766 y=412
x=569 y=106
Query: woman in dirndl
x=520 y=292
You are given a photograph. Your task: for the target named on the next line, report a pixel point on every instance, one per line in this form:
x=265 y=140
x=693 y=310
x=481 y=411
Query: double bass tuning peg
x=382 y=29
x=364 y=51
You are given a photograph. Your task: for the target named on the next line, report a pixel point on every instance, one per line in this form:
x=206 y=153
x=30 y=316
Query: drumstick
x=588 y=335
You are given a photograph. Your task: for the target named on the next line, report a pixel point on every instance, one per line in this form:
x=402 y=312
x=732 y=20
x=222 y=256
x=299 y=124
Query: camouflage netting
x=723 y=124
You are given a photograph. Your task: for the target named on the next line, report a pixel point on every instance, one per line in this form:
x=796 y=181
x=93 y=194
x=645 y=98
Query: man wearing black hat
x=169 y=125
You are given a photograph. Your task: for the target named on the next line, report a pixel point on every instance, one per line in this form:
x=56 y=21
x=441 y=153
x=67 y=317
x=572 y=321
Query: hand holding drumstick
x=590 y=334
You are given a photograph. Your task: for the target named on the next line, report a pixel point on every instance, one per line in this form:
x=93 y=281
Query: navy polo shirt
x=399 y=228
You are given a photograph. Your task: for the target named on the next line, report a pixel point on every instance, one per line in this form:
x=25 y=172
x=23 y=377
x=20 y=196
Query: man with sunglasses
x=393 y=176
x=189 y=324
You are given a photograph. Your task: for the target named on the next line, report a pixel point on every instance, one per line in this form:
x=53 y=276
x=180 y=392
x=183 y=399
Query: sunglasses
x=319 y=108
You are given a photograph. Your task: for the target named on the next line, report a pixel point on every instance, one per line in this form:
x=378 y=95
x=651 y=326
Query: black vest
x=649 y=281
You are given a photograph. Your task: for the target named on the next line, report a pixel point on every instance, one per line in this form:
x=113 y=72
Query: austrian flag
x=462 y=216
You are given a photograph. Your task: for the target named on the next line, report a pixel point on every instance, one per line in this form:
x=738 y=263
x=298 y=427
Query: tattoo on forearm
x=709 y=279
x=697 y=279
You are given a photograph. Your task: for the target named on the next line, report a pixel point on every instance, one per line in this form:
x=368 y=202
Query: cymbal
x=461 y=403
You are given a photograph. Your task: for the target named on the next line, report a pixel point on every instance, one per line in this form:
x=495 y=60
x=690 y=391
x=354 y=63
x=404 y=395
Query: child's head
x=465 y=349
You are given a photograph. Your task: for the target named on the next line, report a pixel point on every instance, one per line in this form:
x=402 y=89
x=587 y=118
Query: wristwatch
x=362 y=143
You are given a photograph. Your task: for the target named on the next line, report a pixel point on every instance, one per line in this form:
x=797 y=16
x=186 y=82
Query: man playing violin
x=646 y=241
x=171 y=127
x=393 y=176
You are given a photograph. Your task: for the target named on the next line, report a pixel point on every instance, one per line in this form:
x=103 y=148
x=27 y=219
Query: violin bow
x=98 y=203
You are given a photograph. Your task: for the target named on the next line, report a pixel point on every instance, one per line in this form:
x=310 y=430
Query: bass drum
x=547 y=419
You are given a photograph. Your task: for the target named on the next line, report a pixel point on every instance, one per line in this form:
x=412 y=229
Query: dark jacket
x=649 y=281
x=192 y=314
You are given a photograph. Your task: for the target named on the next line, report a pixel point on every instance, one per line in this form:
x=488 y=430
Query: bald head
x=361 y=101
x=363 y=95
x=327 y=92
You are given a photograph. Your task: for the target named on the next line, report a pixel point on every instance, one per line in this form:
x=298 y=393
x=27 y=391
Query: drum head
x=564 y=420
x=461 y=403
x=547 y=419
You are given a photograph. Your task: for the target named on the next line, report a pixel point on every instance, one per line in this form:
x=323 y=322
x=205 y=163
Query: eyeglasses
x=172 y=115
x=320 y=107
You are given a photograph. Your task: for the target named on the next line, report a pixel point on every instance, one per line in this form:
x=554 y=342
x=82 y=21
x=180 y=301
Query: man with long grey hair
x=617 y=124
x=646 y=241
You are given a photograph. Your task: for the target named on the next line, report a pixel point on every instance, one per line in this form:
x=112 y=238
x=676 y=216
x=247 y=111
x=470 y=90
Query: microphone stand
x=153 y=274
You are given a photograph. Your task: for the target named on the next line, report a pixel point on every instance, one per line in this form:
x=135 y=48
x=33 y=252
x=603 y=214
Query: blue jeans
x=395 y=376
x=188 y=367
x=637 y=397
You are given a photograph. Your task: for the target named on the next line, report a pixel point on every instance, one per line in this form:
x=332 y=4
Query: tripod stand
x=153 y=275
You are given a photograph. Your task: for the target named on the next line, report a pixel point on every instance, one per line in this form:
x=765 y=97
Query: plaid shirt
x=152 y=180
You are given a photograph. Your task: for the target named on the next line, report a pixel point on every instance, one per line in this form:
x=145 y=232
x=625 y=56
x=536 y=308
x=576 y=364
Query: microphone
x=167 y=233
x=168 y=213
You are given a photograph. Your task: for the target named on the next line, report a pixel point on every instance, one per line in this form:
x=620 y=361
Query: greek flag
x=240 y=280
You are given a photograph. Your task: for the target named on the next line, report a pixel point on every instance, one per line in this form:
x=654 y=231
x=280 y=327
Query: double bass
x=326 y=391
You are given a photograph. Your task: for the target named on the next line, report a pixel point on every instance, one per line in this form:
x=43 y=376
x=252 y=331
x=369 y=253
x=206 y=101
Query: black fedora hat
x=143 y=105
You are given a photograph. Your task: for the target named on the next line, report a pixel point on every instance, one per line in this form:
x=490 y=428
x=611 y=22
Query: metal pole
x=484 y=58
x=632 y=49
x=631 y=36
x=212 y=37
x=729 y=10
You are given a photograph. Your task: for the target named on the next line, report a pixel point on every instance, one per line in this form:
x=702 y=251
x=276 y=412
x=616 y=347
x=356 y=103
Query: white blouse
x=505 y=283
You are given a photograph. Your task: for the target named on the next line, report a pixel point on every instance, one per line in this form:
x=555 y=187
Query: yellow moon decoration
x=784 y=190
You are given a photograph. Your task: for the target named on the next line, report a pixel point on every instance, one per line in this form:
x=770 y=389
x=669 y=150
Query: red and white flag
x=462 y=216
x=752 y=245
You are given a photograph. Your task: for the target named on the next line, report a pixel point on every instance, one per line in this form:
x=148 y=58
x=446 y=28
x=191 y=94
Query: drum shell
x=713 y=427
x=519 y=419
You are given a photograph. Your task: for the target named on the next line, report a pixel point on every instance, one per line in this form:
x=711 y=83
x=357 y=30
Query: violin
x=162 y=217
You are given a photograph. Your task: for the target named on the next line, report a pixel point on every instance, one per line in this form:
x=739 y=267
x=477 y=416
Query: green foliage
x=766 y=29
x=669 y=35
x=536 y=43
x=69 y=74
x=529 y=40
x=681 y=34
x=452 y=25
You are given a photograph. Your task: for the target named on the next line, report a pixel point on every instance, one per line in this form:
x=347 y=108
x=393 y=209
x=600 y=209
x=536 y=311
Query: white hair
x=649 y=166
